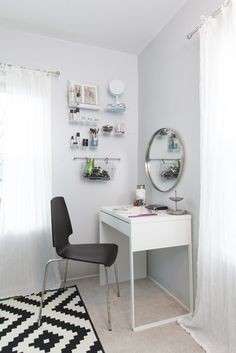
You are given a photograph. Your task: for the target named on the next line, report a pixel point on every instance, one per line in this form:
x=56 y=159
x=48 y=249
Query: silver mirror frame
x=147 y=160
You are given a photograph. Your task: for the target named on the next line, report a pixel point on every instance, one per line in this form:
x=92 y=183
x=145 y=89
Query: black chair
x=102 y=254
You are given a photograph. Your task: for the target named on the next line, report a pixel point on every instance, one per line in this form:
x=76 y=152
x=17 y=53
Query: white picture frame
x=90 y=94
x=82 y=94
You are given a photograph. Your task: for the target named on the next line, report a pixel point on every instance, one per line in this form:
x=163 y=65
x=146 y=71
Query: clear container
x=141 y=194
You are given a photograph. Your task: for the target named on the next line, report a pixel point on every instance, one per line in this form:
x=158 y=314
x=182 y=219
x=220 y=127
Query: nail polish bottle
x=74 y=115
x=78 y=138
x=77 y=114
x=71 y=115
x=72 y=142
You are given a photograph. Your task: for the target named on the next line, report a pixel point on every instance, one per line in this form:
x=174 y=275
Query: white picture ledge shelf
x=85 y=106
x=116 y=109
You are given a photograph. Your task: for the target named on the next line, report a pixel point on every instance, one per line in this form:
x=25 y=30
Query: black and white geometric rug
x=66 y=326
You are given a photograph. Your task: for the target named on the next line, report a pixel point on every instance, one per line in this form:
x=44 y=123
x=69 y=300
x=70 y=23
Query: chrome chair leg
x=117 y=280
x=108 y=300
x=43 y=289
x=65 y=276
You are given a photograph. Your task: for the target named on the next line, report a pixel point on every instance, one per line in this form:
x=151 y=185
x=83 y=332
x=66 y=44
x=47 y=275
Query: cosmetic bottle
x=175 y=143
x=89 y=166
x=141 y=194
x=72 y=140
x=71 y=116
x=74 y=115
x=170 y=143
x=85 y=143
x=78 y=138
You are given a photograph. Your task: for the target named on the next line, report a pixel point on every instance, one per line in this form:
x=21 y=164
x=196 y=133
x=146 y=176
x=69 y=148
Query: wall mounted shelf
x=85 y=106
x=115 y=108
x=119 y=133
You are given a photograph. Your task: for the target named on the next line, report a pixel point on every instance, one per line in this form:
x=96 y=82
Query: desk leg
x=190 y=265
x=132 y=318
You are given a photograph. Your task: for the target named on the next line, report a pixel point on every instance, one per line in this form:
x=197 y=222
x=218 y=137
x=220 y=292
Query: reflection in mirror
x=164 y=159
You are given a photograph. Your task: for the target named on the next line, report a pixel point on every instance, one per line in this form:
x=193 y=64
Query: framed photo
x=90 y=94
x=82 y=93
x=75 y=95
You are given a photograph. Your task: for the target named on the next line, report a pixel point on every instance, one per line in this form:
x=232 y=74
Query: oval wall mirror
x=164 y=159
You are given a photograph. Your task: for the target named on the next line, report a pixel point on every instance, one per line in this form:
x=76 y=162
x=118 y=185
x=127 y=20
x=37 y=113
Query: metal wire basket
x=101 y=170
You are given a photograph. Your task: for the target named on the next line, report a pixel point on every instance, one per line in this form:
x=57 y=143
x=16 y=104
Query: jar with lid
x=141 y=194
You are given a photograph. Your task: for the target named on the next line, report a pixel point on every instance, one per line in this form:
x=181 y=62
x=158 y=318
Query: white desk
x=143 y=233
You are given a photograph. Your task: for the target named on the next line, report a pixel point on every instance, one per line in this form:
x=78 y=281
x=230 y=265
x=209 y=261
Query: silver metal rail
x=213 y=15
x=49 y=72
x=98 y=158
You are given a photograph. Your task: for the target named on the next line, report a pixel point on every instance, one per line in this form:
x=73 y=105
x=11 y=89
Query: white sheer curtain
x=214 y=321
x=25 y=234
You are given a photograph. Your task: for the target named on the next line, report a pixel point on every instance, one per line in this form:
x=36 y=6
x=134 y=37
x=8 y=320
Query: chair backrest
x=61 y=225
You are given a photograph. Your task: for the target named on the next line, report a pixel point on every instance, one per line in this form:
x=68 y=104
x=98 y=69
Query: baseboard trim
x=168 y=292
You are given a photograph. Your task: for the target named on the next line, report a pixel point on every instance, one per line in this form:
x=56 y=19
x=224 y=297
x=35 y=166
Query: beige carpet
x=151 y=304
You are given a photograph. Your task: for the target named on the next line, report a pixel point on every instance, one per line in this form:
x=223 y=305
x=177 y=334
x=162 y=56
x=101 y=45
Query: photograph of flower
x=82 y=93
x=90 y=94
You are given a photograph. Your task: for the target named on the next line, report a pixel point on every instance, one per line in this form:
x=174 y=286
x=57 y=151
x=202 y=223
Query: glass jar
x=89 y=166
x=141 y=194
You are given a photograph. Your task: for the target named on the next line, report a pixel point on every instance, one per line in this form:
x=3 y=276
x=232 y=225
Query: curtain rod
x=49 y=72
x=213 y=15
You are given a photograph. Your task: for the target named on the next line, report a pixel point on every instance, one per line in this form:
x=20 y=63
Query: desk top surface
x=130 y=214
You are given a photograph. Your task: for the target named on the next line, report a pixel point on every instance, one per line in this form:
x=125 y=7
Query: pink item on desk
x=143 y=215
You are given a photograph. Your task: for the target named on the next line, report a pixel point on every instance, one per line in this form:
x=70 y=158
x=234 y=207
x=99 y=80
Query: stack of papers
x=132 y=212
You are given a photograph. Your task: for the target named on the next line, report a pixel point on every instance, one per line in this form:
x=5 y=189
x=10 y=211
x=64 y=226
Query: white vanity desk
x=134 y=235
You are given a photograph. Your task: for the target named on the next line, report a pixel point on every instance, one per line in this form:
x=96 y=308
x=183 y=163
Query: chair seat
x=102 y=254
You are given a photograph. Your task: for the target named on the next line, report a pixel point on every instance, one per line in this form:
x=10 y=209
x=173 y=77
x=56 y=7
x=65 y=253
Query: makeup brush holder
x=94 y=142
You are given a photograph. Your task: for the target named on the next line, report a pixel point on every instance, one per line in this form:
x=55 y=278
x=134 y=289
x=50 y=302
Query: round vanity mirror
x=164 y=159
x=116 y=88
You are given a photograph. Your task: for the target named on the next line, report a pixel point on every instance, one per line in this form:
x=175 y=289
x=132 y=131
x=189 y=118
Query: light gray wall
x=84 y=64
x=169 y=97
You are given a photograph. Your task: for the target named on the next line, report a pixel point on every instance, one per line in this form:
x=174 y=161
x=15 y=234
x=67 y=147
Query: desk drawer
x=161 y=234
x=115 y=223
